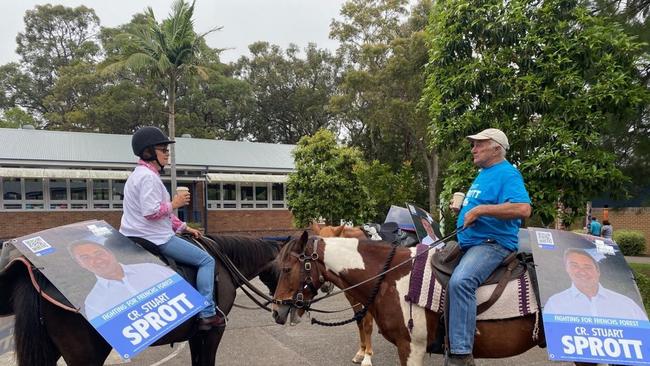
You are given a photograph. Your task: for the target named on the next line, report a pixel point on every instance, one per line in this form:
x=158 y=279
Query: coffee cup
x=457 y=201
x=182 y=190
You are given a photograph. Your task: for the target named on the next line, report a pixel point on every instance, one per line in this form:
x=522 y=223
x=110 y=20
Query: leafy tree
x=384 y=187
x=168 y=51
x=290 y=93
x=551 y=75
x=15 y=118
x=382 y=83
x=324 y=183
x=54 y=37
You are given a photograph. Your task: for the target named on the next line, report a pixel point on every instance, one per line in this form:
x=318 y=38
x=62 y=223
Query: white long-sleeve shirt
x=147 y=207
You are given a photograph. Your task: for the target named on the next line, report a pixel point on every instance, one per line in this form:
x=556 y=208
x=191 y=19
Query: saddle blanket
x=517 y=299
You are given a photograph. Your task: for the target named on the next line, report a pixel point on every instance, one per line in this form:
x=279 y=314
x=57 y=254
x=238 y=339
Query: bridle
x=308 y=263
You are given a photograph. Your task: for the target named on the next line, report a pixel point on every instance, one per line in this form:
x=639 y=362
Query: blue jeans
x=475 y=267
x=183 y=252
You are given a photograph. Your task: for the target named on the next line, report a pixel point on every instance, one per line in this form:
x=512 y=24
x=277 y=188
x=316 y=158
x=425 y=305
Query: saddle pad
x=518 y=298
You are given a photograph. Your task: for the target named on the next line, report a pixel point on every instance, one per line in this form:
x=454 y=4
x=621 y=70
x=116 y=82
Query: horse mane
x=248 y=254
x=286 y=250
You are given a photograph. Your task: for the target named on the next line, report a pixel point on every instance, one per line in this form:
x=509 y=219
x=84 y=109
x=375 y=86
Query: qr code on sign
x=36 y=244
x=544 y=238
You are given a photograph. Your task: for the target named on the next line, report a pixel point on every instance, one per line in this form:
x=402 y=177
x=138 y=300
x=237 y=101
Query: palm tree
x=168 y=51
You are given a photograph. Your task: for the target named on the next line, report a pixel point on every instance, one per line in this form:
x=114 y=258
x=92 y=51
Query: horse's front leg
x=366 y=329
x=204 y=345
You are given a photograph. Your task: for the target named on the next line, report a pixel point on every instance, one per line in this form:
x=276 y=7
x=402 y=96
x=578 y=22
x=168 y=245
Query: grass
x=642 y=274
x=641 y=268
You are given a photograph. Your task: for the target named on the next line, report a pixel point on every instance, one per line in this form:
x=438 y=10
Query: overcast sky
x=244 y=21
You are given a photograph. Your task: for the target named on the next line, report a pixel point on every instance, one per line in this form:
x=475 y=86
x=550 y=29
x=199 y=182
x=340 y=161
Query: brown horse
x=45 y=332
x=364 y=354
x=346 y=262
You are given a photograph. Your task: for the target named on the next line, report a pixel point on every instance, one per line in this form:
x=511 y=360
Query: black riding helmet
x=147 y=138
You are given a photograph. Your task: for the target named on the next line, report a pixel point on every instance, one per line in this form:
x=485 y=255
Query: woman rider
x=148 y=214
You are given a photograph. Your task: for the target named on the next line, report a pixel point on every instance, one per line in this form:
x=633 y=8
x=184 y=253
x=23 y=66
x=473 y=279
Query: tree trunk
x=171 y=102
x=432 y=172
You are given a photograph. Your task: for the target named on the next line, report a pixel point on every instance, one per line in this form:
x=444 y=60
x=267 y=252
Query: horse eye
x=286 y=270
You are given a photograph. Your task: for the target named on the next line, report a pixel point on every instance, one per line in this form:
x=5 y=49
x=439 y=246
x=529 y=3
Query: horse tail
x=33 y=345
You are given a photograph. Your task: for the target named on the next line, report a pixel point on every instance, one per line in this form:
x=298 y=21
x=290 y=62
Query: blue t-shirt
x=594 y=228
x=497 y=184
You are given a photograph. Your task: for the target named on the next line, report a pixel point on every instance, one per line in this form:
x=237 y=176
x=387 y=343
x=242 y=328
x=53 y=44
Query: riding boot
x=459 y=360
x=219 y=319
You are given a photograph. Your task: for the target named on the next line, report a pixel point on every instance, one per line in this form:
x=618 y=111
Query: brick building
x=52 y=178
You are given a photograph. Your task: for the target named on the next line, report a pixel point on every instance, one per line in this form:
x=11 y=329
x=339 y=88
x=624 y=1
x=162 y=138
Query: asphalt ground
x=252 y=338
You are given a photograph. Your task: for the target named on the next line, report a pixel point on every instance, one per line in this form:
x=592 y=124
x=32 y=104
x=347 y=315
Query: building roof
x=58 y=148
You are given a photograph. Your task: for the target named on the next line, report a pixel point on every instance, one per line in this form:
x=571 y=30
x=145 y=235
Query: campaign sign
x=592 y=309
x=426 y=228
x=126 y=293
x=6 y=334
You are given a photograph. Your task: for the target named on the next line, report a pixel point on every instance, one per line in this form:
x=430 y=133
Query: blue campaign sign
x=139 y=321
x=598 y=340
x=592 y=308
x=126 y=293
x=6 y=334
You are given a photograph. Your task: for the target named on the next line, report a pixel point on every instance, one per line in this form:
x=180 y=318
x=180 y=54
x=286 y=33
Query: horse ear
x=303 y=238
x=315 y=227
x=338 y=230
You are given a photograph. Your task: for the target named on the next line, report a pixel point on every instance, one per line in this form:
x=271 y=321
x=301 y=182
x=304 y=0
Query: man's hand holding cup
x=182 y=197
x=457 y=201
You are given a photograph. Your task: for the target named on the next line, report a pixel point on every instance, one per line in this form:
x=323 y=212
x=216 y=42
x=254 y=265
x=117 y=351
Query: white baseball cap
x=493 y=134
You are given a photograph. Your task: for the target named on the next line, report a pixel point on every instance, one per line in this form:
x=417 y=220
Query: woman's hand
x=195 y=233
x=180 y=200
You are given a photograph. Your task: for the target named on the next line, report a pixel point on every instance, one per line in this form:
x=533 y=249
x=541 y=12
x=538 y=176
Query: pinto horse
x=364 y=354
x=44 y=332
x=347 y=262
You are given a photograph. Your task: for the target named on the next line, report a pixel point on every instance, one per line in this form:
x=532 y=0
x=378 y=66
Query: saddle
x=445 y=260
x=390 y=232
x=186 y=271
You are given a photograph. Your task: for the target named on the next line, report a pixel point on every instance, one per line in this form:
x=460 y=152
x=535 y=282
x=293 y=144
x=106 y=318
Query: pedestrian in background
x=607 y=230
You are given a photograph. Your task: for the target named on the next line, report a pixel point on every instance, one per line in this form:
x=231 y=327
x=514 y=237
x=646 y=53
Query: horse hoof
x=367 y=361
x=358 y=358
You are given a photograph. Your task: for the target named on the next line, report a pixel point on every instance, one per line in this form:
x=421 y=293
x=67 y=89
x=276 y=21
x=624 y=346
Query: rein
x=242 y=281
x=299 y=301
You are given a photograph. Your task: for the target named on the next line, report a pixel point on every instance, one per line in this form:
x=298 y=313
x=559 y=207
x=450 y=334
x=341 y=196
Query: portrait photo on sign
x=571 y=264
x=426 y=228
x=93 y=265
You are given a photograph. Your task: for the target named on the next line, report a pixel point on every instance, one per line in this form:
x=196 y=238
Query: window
x=34 y=194
x=251 y=195
x=229 y=195
x=214 y=196
x=117 y=190
x=58 y=194
x=79 y=194
x=12 y=193
x=247 y=198
x=277 y=195
x=101 y=194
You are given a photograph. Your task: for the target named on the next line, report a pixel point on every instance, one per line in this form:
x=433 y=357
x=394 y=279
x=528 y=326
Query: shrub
x=631 y=242
x=644 y=287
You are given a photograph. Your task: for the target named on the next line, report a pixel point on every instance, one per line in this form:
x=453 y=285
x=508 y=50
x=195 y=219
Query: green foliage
x=631 y=242
x=15 y=118
x=290 y=93
x=551 y=75
x=54 y=37
x=643 y=282
x=324 y=183
x=383 y=56
x=384 y=187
